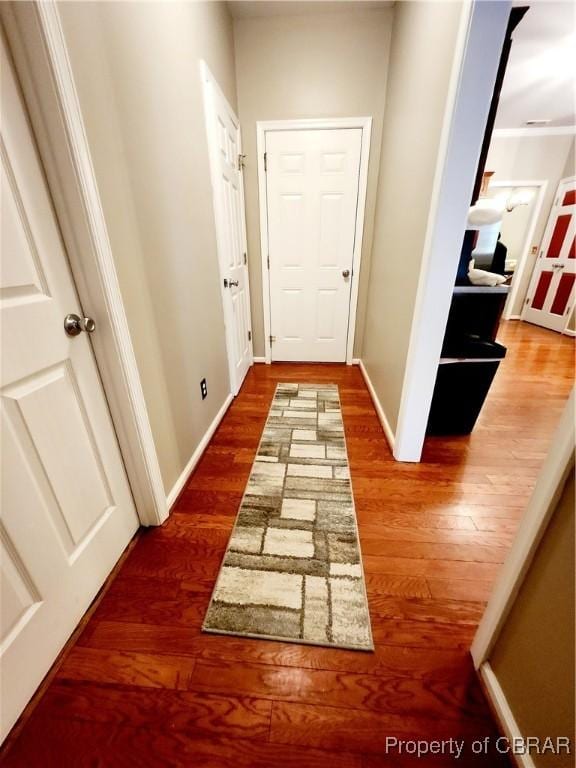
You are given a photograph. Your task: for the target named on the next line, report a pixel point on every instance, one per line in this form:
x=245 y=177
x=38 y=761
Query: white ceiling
x=540 y=81
x=243 y=9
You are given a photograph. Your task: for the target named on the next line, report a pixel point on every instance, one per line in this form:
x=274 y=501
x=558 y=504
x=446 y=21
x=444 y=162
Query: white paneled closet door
x=67 y=511
x=226 y=163
x=312 y=185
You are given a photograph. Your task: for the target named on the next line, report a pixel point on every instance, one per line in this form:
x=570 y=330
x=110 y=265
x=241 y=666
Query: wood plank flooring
x=143 y=686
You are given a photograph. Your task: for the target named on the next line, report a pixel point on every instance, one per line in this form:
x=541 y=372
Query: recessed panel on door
x=19 y=596
x=563 y=293
x=292 y=319
x=291 y=251
x=326 y=314
x=21 y=273
x=53 y=416
x=558 y=236
x=332 y=239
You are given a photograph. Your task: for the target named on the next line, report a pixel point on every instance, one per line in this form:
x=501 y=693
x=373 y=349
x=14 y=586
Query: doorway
x=312 y=183
x=521 y=204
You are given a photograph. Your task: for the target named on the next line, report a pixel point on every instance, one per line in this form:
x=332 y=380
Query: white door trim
x=43 y=65
x=503 y=713
x=262 y=127
x=477 y=56
x=540 y=508
x=210 y=83
x=519 y=273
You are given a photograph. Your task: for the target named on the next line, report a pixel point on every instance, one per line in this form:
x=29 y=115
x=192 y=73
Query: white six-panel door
x=67 y=511
x=312 y=188
x=226 y=169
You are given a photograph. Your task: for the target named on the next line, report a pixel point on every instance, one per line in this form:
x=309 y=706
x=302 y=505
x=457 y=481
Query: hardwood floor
x=143 y=686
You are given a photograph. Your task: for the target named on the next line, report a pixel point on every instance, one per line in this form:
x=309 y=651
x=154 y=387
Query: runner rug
x=293 y=569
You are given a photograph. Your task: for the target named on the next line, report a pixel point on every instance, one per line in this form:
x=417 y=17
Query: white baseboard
x=378 y=406
x=512 y=317
x=259 y=359
x=503 y=713
x=197 y=455
x=569 y=332
x=356 y=361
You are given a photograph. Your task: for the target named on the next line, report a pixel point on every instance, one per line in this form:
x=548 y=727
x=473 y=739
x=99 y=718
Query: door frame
x=209 y=85
x=522 y=261
x=37 y=45
x=545 y=239
x=262 y=128
x=535 y=520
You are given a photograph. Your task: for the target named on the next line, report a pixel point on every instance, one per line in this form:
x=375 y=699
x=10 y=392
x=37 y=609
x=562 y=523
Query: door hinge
x=241 y=163
x=265 y=161
x=271 y=339
x=527 y=300
x=268 y=261
x=249 y=335
x=245 y=258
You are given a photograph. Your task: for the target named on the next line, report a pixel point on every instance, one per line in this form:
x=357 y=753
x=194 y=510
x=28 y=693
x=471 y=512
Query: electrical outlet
x=204 y=389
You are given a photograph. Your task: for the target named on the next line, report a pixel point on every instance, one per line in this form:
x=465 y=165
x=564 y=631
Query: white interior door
x=312 y=187
x=226 y=169
x=552 y=289
x=67 y=512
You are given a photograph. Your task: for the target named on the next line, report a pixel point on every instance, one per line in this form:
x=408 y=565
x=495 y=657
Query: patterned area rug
x=293 y=570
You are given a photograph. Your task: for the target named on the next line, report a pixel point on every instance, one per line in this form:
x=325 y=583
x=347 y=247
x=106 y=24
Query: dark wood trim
x=516 y=16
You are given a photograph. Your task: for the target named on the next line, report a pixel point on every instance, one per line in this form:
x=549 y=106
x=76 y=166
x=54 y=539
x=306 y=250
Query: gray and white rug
x=293 y=569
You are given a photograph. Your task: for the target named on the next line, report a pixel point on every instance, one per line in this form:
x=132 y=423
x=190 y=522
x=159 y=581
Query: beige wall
x=308 y=67
x=531 y=158
x=533 y=658
x=421 y=60
x=570 y=164
x=136 y=70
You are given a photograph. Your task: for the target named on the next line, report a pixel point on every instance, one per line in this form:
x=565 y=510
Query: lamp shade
x=482 y=215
